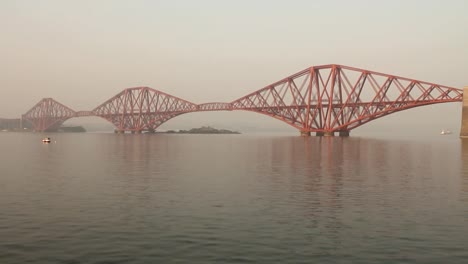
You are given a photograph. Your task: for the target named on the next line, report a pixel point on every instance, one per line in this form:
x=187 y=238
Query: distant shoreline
x=81 y=129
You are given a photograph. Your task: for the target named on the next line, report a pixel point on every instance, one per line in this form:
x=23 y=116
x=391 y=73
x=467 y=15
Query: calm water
x=105 y=198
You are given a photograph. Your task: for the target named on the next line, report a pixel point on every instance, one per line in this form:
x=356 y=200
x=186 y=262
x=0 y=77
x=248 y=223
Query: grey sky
x=81 y=53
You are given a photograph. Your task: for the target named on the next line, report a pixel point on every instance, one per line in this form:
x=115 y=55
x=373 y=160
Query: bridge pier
x=305 y=133
x=324 y=134
x=118 y=131
x=464 y=121
x=343 y=133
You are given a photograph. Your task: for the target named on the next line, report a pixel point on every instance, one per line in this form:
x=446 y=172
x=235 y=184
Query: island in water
x=203 y=130
x=71 y=129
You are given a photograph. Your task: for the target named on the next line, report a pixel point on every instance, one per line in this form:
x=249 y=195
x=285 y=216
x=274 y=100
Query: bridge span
x=327 y=99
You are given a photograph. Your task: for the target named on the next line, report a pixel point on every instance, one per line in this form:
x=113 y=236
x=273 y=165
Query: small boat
x=445 y=132
x=46 y=140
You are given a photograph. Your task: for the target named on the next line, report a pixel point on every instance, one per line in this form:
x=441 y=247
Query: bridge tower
x=464 y=125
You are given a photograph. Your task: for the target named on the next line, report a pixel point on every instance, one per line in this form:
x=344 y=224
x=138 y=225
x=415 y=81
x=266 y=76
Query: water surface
x=107 y=198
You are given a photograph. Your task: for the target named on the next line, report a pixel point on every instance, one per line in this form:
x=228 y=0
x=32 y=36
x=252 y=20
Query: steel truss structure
x=323 y=99
x=48 y=115
x=142 y=108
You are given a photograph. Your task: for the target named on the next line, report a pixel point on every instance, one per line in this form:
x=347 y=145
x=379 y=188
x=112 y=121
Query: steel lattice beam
x=214 y=107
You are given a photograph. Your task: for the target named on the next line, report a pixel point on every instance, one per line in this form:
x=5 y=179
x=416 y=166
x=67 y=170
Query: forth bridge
x=326 y=100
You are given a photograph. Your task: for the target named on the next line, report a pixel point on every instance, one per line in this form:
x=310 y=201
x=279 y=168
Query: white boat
x=445 y=132
x=46 y=140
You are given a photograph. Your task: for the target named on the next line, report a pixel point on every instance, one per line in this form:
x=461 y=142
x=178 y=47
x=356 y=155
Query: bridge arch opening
x=241 y=121
x=89 y=124
x=421 y=121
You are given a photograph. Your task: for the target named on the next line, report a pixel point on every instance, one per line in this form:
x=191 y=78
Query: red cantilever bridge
x=323 y=99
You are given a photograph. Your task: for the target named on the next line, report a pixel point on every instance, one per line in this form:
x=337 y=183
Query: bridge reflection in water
x=328 y=100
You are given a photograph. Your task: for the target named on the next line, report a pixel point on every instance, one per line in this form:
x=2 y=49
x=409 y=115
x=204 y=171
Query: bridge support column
x=464 y=121
x=117 y=131
x=343 y=133
x=329 y=134
x=319 y=134
x=305 y=133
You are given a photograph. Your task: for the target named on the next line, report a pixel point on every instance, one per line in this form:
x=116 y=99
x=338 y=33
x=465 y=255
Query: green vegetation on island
x=203 y=130
x=72 y=129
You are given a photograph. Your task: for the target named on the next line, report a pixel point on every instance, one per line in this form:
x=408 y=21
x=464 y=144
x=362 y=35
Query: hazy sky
x=81 y=53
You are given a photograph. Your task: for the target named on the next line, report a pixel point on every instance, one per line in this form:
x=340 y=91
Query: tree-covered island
x=203 y=130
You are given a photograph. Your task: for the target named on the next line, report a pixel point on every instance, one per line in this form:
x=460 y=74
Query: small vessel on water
x=445 y=132
x=46 y=140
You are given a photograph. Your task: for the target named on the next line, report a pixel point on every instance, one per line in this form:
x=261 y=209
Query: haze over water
x=394 y=192
x=108 y=198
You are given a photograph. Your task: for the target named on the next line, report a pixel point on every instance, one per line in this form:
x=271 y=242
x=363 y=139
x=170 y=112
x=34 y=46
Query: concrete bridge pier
x=305 y=133
x=342 y=133
x=325 y=134
x=464 y=121
x=118 y=131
